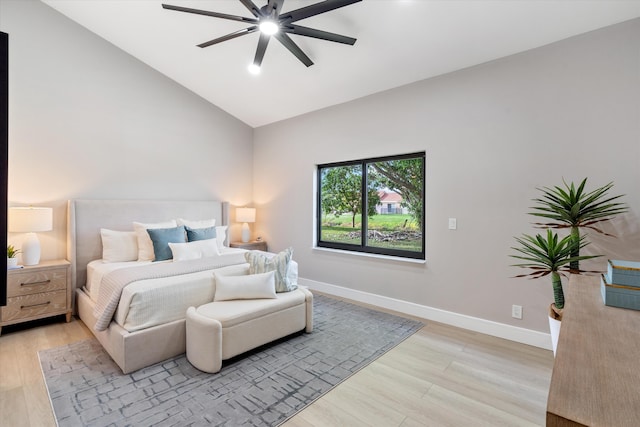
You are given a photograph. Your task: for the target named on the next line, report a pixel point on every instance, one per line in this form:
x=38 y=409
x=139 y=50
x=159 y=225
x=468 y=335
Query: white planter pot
x=554 y=328
x=12 y=262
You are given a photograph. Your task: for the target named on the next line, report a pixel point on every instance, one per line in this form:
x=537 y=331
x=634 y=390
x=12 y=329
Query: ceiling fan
x=271 y=22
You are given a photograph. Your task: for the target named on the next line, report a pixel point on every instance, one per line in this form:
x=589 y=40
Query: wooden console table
x=596 y=373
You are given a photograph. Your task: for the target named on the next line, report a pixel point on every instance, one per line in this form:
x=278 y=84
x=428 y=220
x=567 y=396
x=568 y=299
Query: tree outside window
x=384 y=196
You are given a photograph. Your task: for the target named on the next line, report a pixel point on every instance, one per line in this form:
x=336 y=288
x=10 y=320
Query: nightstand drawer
x=32 y=282
x=36 y=305
x=37 y=291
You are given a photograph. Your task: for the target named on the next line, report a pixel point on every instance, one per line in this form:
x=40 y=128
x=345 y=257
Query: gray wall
x=492 y=134
x=89 y=121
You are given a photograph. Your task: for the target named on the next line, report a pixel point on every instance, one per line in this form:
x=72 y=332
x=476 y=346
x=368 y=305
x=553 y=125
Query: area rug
x=261 y=388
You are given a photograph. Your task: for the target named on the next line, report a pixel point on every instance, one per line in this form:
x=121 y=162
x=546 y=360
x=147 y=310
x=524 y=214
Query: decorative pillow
x=252 y=286
x=145 y=246
x=194 y=234
x=203 y=223
x=161 y=237
x=221 y=235
x=194 y=250
x=119 y=246
x=261 y=263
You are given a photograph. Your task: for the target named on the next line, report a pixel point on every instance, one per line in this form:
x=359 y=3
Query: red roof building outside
x=390 y=203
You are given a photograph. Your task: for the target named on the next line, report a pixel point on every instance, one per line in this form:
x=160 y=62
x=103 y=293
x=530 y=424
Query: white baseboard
x=488 y=327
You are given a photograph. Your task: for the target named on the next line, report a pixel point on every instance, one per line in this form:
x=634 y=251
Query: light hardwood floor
x=441 y=376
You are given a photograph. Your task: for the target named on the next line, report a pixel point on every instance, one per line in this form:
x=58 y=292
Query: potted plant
x=575 y=208
x=550 y=256
x=12 y=253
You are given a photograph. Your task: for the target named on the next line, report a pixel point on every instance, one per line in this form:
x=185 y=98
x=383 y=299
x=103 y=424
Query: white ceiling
x=399 y=42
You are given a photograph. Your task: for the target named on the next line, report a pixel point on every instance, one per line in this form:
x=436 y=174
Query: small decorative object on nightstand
x=36 y=292
x=256 y=245
x=12 y=260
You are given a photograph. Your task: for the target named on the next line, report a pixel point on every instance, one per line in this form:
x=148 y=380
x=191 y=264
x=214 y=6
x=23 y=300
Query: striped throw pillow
x=259 y=262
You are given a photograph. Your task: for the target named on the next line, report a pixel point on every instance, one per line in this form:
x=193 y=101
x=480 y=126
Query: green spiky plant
x=549 y=256
x=12 y=251
x=575 y=208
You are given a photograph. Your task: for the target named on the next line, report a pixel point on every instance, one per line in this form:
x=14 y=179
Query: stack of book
x=620 y=287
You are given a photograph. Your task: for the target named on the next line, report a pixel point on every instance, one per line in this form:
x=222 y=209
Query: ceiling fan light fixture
x=269 y=21
x=268 y=27
x=254 y=69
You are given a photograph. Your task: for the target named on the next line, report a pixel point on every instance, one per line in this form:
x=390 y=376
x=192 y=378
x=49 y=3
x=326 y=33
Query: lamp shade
x=30 y=219
x=246 y=215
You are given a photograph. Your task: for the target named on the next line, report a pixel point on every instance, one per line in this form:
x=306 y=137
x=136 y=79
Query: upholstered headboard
x=85 y=218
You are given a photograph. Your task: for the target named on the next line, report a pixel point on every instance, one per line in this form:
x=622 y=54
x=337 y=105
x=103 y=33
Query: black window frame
x=363 y=247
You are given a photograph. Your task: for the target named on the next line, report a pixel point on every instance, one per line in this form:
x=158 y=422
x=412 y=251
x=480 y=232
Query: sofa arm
x=204 y=341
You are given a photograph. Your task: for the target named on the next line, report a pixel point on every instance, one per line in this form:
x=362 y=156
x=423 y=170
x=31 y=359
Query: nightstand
x=37 y=291
x=252 y=246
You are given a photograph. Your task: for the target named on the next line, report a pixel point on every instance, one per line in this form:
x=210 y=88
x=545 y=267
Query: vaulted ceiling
x=398 y=42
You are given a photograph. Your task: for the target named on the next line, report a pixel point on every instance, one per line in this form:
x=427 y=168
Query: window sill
x=368 y=255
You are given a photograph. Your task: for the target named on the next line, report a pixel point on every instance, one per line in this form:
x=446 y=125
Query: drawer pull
x=22 y=307
x=42 y=282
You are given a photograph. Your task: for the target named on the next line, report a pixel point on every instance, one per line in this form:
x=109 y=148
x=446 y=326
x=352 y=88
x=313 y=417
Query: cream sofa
x=220 y=330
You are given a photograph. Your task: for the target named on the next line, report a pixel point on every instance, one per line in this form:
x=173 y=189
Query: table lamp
x=30 y=220
x=245 y=216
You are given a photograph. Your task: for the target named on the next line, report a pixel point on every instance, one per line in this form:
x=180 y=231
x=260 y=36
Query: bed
x=149 y=338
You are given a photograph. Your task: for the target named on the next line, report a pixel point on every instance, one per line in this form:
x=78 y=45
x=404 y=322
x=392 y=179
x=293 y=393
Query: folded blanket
x=114 y=282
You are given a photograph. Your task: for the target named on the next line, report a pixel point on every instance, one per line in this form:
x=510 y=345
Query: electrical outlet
x=516 y=311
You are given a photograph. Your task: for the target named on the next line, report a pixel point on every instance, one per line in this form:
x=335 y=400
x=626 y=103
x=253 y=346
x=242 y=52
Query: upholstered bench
x=220 y=330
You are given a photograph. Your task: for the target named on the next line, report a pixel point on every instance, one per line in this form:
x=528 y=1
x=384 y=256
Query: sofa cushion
x=230 y=313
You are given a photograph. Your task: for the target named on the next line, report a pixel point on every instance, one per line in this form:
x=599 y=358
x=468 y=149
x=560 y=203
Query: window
x=373 y=206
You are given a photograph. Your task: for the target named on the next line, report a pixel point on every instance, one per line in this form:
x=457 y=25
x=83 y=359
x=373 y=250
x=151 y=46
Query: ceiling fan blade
x=293 y=48
x=318 y=34
x=315 y=9
x=255 y=10
x=262 y=48
x=230 y=36
x=273 y=8
x=208 y=13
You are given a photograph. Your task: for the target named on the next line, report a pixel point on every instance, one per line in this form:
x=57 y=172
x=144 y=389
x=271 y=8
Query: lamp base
x=246 y=233
x=30 y=249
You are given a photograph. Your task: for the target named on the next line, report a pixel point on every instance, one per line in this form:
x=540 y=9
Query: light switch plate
x=516 y=311
x=453 y=223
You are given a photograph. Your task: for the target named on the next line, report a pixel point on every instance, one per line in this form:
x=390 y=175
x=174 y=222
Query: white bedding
x=152 y=302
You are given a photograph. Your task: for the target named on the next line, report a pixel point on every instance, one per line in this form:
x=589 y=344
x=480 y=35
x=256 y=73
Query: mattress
x=147 y=303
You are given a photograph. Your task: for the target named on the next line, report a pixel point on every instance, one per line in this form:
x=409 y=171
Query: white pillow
x=195 y=224
x=260 y=262
x=251 y=286
x=119 y=246
x=145 y=245
x=221 y=236
x=194 y=250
